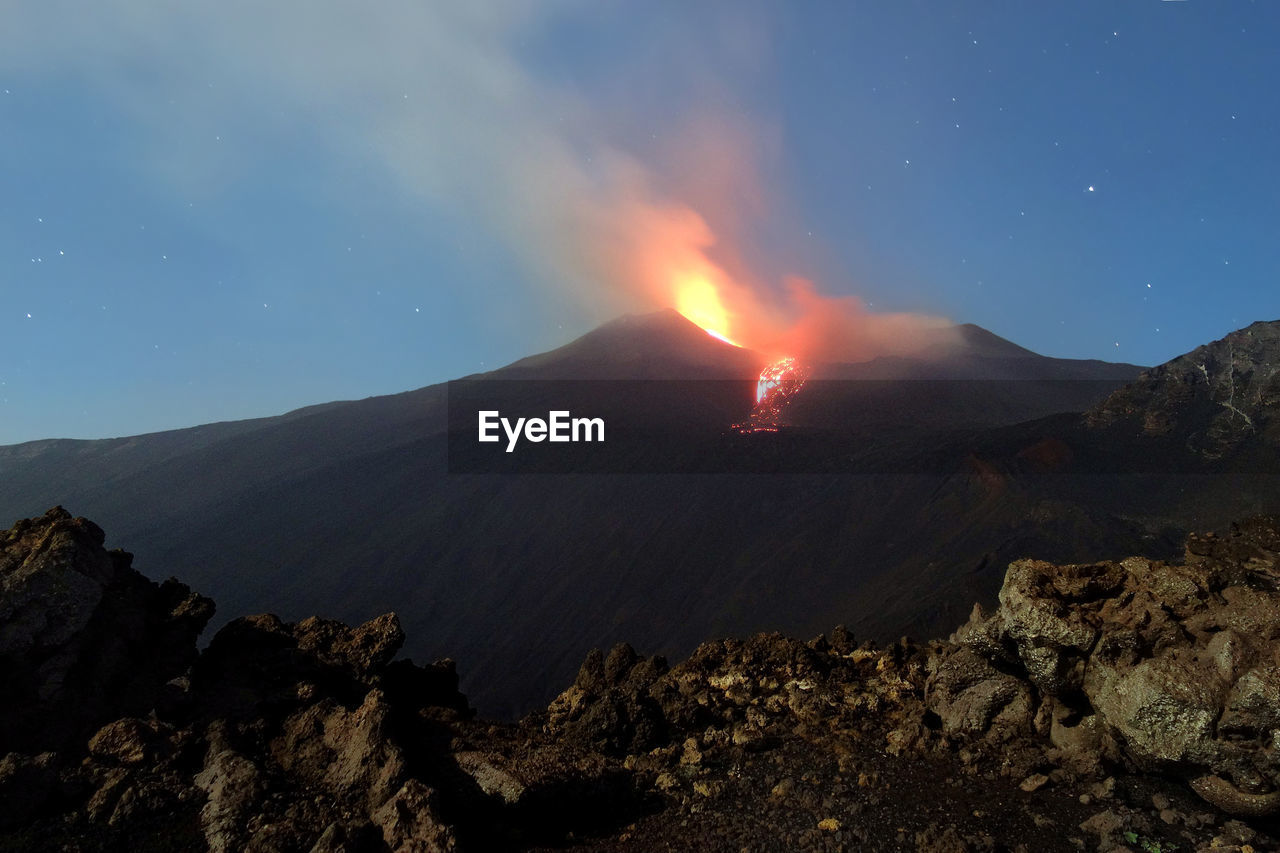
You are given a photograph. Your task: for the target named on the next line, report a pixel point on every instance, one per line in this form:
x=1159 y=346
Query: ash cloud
x=444 y=97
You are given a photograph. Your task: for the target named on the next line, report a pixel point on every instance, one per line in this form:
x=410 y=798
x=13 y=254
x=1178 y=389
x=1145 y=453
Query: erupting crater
x=698 y=299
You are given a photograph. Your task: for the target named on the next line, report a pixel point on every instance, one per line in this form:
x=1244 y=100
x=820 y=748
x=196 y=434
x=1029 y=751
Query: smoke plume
x=448 y=98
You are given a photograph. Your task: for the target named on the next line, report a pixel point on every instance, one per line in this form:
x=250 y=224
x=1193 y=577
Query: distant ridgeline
x=900 y=490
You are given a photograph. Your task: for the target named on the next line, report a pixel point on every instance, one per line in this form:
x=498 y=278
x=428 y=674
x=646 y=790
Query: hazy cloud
x=438 y=93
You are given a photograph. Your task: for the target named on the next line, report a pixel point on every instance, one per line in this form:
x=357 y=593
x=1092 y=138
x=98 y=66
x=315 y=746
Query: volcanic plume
x=444 y=98
x=799 y=322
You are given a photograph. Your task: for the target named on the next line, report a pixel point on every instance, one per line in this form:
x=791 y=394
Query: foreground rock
x=83 y=637
x=1167 y=668
x=1111 y=706
x=279 y=736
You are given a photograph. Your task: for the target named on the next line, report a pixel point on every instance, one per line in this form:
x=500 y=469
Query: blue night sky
x=212 y=211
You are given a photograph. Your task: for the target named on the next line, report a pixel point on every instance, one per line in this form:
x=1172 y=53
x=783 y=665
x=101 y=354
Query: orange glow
x=781 y=379
x=778 y=383
x=699 y=301
x=668 y=255
x=792 y=320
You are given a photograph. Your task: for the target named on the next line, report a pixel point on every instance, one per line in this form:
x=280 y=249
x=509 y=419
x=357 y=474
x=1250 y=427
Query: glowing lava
x=699 y=301
x=778 y=383
x=781 y=379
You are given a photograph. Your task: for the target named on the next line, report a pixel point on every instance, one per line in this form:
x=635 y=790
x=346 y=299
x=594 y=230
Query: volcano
x=347 y=509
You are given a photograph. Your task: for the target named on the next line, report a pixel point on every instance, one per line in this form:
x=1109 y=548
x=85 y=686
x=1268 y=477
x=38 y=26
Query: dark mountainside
x=1112 y=706
x=1213 y=400
x=1188 y=446
x=346 y=510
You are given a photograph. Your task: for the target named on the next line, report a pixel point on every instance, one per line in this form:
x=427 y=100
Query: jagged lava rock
x=309 y=736
x=1176 y=668
x=83 y=637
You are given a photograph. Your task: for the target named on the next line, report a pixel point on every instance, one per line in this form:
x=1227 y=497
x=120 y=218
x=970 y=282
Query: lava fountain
x=699 y=301
x=778 y=383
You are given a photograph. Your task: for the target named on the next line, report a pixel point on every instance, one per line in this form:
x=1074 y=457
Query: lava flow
x=778 y=383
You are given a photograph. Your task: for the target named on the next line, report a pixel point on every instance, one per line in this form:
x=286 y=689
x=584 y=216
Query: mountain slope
x=1213 y=399
x=660 y=345
x=348 y=510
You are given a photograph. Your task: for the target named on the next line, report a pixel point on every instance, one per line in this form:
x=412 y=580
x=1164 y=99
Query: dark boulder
x=1174 y=665
x=84 y=638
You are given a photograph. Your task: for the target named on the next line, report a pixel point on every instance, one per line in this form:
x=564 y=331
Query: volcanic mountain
x=348 y=509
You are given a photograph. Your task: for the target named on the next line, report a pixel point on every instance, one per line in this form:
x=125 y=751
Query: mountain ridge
x=618 y=349
x=721 y=360
x=1212 y=398
x=520 y=575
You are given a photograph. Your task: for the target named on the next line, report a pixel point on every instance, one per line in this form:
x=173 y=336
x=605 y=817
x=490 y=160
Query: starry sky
x=211 y=211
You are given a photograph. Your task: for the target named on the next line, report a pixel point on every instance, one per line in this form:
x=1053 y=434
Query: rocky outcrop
x=1213 y=399
x=748 y=692
x=1139 y=665
x=287 y=740
x=1114 y=706
x=1170 y=668
x=83 y=637
x=278 y=736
